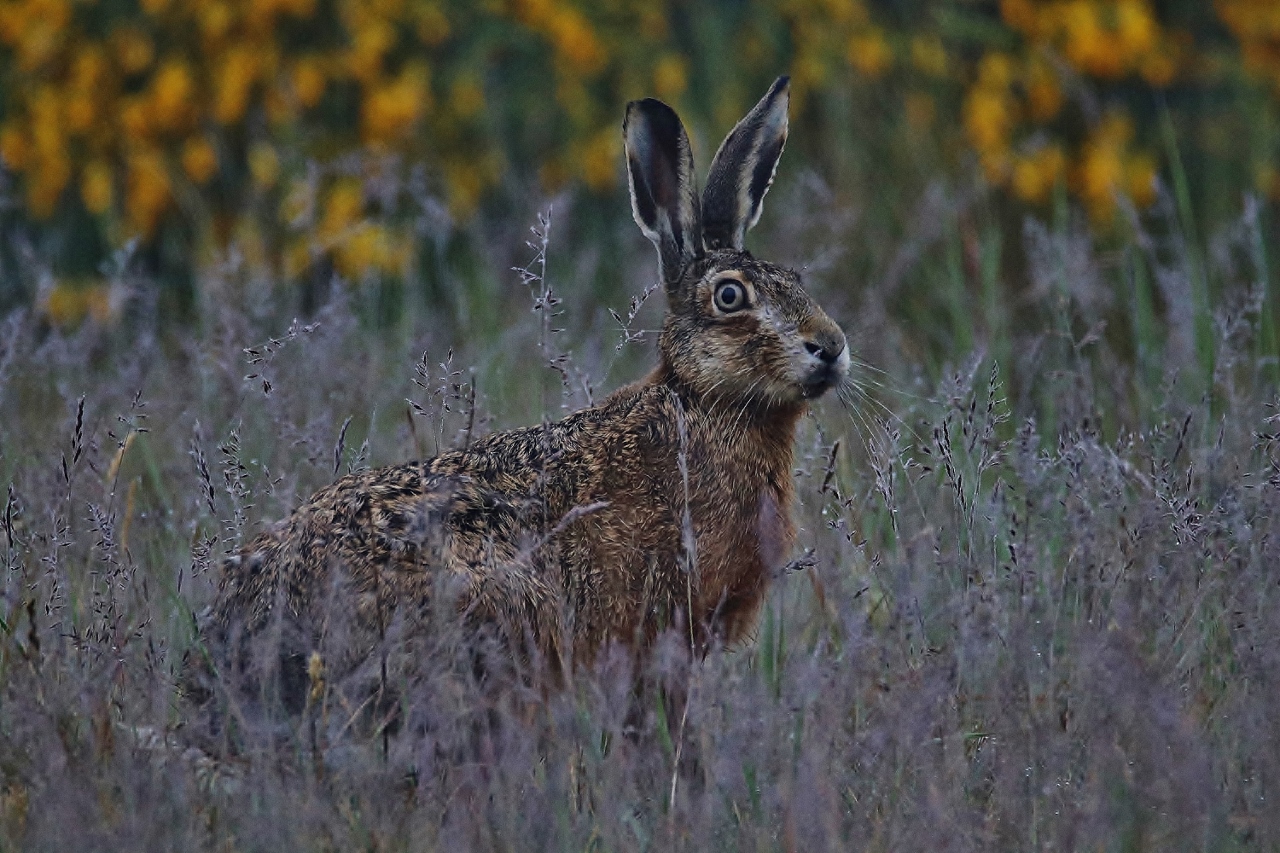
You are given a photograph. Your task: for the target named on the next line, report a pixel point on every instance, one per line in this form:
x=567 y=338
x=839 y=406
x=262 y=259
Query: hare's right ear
x=743 y=170
x=664 y=195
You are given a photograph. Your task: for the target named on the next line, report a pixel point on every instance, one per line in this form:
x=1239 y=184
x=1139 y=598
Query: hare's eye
x=730 y=295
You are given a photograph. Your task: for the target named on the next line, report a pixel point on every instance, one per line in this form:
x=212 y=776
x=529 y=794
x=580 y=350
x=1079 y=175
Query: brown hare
x=668 y=504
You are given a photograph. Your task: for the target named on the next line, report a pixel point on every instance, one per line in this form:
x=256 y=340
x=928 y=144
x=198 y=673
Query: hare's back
x=378 y=531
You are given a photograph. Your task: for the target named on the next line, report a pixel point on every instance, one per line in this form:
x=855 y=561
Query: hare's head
x=737 y=328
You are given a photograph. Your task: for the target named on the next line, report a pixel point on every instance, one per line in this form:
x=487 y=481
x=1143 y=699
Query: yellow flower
x=670 y=76
x=297 y=258
x=46 y=117
x=600 y=160
x=371 y=43
x=65 y=305
x=42 y=38
x=533 y=12
x=368 y=247
x=14 y=147
x=1090 y=46
x=343 y=205
x=264 y=165
x=97 y=186
x=1101 y=172
x=308 y=81
x=215 y=20
x=13 y=22
x=147 y=193
x=1140 y=179
x=1135 y=27
x=173 y=95
x=995 y=71
x=134 y=118
x=46 y=181
x=928 y=56
x=299 y=8
x=1035 y=175
x=989 y=117
x=869 y=53
x=134 y=50
x=233 y=81
x=575 y=40
x=390 y=111
x=1021 y=15
x=68 y=302
x=298 y=204
x=433 y=27
x=81 y=111
x=465 y=184
x=199 y=159
x=88 y=68
x=1044 y=96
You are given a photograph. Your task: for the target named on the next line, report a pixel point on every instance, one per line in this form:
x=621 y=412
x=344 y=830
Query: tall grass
x=1034 y=604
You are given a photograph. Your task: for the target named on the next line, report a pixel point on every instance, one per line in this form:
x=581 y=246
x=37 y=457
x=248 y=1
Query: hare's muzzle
x=828 y=360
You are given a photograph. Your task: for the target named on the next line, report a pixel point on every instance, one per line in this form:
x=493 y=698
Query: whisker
x=858 y=418
x=891 y=415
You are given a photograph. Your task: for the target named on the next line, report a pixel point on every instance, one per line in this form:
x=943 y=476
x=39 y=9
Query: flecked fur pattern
x=666 y=505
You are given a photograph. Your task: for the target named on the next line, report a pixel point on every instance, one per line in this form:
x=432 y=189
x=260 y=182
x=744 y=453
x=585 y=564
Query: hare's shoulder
x=640 y=411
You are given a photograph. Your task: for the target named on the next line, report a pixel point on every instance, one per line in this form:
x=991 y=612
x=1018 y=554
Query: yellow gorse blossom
x=391 y=109
x=1012 y=109
x=199 y=159
x=147 y=190
x=1037 y=173
x=69 y=302
x=1103 y=38
x=1256 y=23
x=870 y=53
x=120 y=112
x=172 y=100
x=1108 y=168
x=97 y=186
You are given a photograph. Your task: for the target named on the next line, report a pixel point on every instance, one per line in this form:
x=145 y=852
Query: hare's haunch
x=667 y=504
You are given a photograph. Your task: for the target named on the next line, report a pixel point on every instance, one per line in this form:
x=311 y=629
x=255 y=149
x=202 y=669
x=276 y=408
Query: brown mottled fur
x=667 y=504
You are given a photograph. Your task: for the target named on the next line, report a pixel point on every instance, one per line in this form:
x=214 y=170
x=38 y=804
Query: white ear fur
x=664 y=192
x=743 y=170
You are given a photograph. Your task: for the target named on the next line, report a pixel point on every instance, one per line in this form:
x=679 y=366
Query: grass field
x=1034 y=604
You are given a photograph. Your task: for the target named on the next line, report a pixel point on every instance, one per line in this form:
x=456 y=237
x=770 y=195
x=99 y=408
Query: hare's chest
x=772 y=531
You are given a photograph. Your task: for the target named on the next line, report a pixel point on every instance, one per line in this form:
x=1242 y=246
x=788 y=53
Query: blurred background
x=395 y=144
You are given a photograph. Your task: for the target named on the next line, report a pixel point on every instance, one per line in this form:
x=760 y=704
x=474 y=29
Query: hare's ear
x=664 y=194
x=743 y=170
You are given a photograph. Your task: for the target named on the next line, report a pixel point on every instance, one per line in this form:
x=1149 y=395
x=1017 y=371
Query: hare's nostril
x=825 y=354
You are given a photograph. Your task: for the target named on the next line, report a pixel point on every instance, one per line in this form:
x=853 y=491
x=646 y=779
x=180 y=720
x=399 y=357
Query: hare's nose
x=825 y=349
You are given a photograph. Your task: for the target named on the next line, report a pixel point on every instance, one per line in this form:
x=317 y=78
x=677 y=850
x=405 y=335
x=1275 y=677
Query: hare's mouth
x=820 y=380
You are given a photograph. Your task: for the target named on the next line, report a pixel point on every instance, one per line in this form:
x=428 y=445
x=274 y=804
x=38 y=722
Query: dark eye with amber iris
x=730 y=295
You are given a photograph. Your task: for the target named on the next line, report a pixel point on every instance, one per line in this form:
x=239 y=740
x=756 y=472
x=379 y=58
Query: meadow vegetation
x=1034 y=605
x=1035 y=598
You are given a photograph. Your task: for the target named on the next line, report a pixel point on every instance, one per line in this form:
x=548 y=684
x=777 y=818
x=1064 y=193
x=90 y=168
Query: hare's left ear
x=664 y=193
x=743 y=169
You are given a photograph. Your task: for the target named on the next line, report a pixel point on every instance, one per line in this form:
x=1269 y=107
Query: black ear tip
x=653 y=110
x=651 y=116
